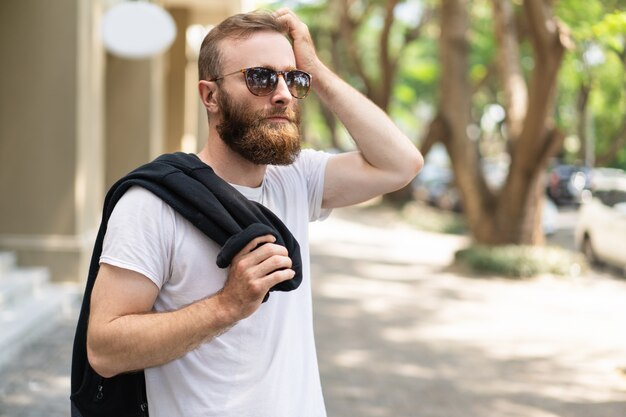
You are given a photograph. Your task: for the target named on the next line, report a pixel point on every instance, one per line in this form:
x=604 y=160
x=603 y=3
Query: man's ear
x=208 y=94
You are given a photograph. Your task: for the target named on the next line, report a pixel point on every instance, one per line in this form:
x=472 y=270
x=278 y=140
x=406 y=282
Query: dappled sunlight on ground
x=400 y=334
x=37 y=384
x=392 y=244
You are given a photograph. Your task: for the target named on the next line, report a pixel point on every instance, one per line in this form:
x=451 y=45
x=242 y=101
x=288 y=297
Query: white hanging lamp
x=137 y=30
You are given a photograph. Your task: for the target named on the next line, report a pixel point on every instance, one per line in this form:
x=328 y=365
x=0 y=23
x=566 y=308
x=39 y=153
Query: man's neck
x=230 y=166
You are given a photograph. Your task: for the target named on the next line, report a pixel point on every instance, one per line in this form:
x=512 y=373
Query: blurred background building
x=74 y=118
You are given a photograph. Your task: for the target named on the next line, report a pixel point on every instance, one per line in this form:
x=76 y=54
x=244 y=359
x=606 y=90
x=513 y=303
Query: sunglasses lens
x=261 y=81
x=299 y=83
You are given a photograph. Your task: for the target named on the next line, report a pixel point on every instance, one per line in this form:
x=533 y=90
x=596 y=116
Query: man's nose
x=281 y=96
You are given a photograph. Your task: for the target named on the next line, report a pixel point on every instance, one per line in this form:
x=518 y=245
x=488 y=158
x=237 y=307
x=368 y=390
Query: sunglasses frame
x=244 y=71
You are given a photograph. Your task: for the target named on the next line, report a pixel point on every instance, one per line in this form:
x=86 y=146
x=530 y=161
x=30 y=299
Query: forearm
x=381 y=143
x=391 y=159
x=125 y=335
x=139 y=341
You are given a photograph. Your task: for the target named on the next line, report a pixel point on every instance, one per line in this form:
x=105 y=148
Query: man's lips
x=279 y=119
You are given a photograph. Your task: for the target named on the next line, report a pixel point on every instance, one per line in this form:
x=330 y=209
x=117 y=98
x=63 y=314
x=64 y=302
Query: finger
x=256 y=242
x=271 y=264
x=252 y=245
x=288 y=19
x=267 y=259
x=298 y=31
x=257 y=279
x=277 y=277
x=283 y=11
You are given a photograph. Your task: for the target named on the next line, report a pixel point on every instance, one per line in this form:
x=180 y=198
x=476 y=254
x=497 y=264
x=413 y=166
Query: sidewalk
x=400 y=334
x=37 y=384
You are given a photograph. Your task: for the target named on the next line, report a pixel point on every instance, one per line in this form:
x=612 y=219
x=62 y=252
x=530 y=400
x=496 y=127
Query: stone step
x=18 y=284
x=29 y=305
x=25 y=321
x=8 y=260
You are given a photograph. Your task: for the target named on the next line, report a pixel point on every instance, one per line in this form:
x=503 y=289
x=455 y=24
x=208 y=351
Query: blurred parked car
x=549 y=216
x=608 y=178
x=601 y=228
x=434 y=185
x=567 y=183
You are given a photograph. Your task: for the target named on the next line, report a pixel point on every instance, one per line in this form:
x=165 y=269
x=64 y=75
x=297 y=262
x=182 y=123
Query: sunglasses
x=263 y=81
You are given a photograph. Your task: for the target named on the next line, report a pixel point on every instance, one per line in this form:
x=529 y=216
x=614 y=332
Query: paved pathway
x=400 y=334
x=37 y=384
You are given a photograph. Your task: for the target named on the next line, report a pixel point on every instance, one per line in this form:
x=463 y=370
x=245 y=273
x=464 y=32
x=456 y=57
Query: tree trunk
x=331 y=123
x=618 y=142
x=583 y=120
x=509 y=69
x=454 y=113
x=522 y=194
x=512 y=215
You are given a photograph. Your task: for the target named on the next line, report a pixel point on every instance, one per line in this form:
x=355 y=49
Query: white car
x=601 y=228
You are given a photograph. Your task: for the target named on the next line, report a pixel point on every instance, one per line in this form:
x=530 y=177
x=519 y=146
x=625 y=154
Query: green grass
x=518 y=261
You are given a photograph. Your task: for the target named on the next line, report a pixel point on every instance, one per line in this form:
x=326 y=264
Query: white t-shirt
x=264 y=366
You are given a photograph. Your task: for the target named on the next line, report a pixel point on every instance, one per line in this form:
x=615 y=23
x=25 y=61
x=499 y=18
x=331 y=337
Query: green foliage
x=598 y=28
x=481 y=39
x=597 y=62
x=521 y=261
x=608 y=103
x=611 y=31
x=415 y=81
x=415 y=85
x=579 y=15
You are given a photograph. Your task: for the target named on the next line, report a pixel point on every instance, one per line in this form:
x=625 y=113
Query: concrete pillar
x=176 y=60
x=65 y=138
x=134 y=114
x=50 y=132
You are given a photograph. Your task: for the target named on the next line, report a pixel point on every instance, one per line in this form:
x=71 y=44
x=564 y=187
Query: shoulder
x=309 y=161
x=140 y=235
x=137 y=198
x=311 y=158
x=299 y=185
x=140 y=207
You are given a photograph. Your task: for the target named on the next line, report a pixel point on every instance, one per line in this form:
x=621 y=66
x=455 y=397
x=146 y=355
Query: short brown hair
x=239 y=26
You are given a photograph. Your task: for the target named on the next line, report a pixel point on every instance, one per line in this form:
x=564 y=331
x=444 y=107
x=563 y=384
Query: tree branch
x=618 y=142
x=386 y=61
x=347 y=25
x=415 y=32
x=546 y=31
x=412 y=34
x=510 y=71
x=438 y=131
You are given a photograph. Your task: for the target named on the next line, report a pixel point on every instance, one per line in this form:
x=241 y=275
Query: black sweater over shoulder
x=217 y=209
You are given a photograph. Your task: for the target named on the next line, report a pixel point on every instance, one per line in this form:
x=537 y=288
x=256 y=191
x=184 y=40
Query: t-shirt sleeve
x=313 y=164
x=140 y=235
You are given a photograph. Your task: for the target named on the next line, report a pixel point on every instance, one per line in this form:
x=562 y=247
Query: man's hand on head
x=303 y=46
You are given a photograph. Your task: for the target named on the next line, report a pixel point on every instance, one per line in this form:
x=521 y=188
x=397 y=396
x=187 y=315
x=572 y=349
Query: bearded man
x=209 y=340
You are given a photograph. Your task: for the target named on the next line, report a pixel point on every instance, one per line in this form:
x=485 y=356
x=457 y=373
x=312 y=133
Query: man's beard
x=257 y=139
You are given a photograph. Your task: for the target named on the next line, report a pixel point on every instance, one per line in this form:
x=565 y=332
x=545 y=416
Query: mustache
x=287 y=113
